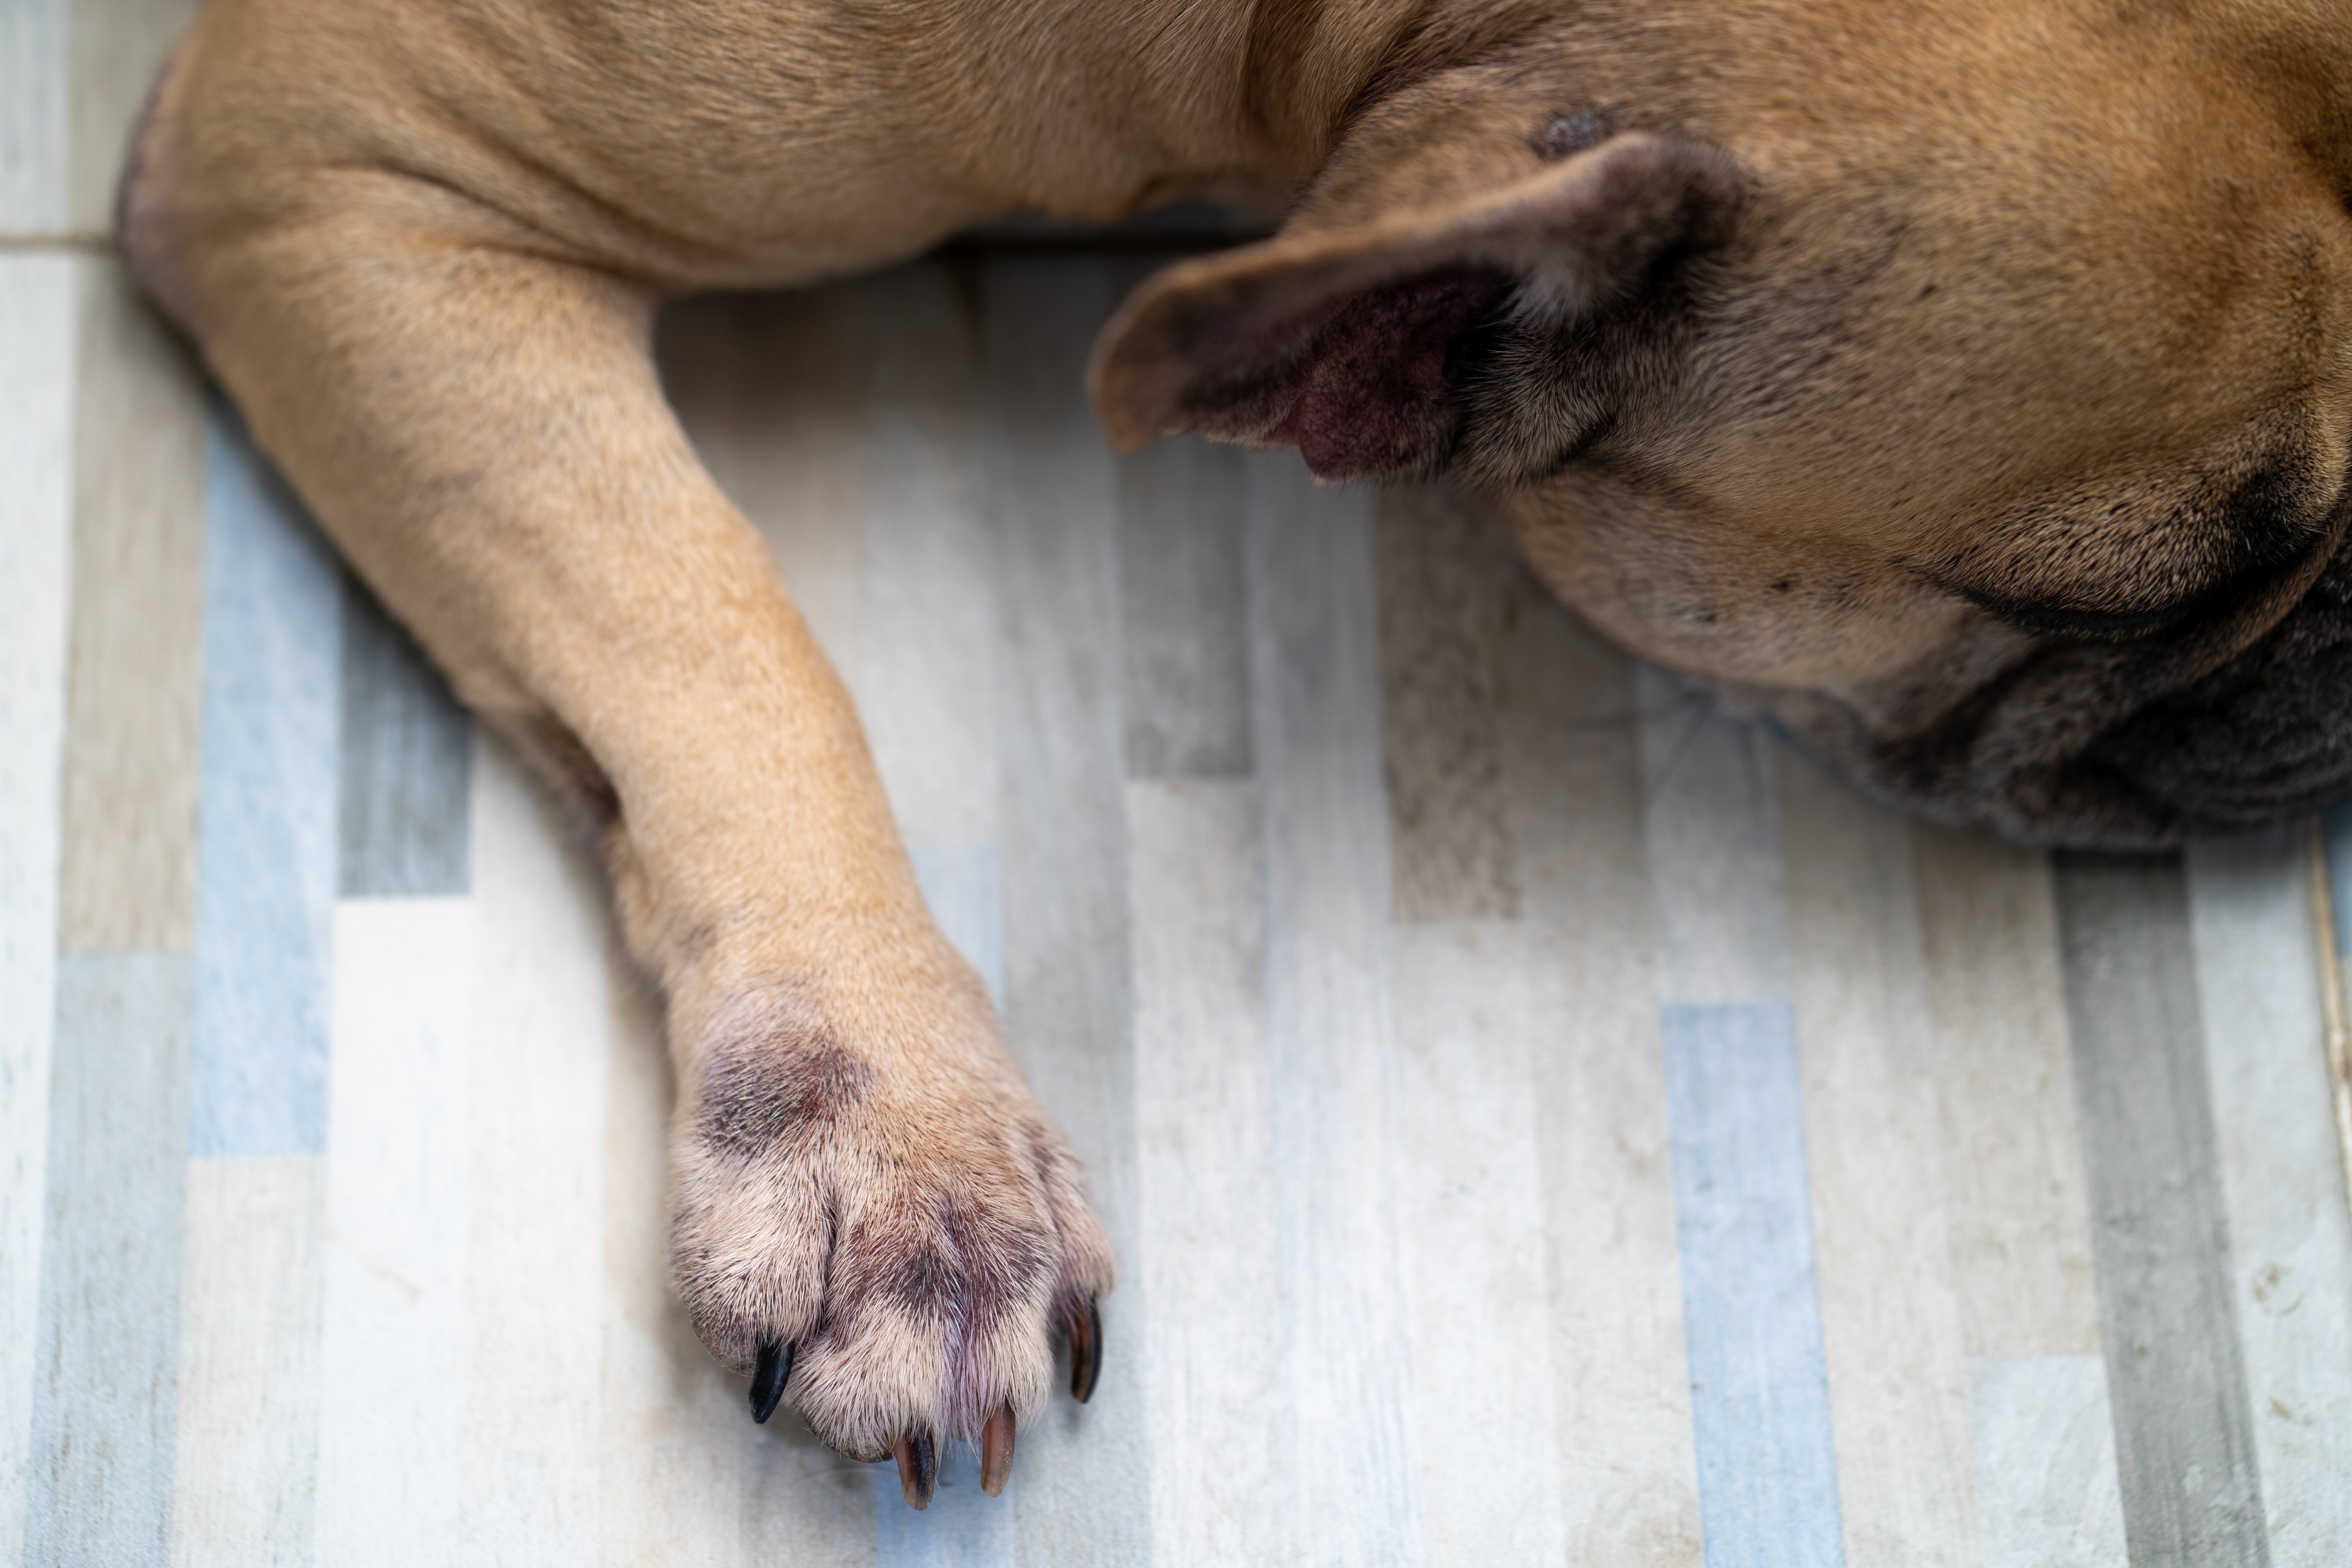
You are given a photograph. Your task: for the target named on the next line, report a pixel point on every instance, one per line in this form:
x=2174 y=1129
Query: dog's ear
x=1354 y=344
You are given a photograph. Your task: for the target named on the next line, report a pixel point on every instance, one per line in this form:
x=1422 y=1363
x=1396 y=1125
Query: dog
x=1966 y=382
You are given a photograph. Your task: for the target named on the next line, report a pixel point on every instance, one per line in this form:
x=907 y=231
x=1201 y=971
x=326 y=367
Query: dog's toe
x=896 y=1250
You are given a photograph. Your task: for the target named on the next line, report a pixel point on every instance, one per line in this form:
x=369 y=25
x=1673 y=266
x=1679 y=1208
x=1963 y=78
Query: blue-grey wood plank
x=266 y=851
x=1743 y=1211
x=2184 y=1435
x=106 y=1385
x=407 y=757
x=1084 y=1491
x=2259 y=979
x=2338 y=827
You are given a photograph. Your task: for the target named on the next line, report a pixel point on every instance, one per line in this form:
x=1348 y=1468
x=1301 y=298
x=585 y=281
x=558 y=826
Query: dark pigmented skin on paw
x=776 y=1090
x=959 y=1259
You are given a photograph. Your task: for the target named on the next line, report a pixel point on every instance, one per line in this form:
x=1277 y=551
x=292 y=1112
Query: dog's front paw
x=875 y=1216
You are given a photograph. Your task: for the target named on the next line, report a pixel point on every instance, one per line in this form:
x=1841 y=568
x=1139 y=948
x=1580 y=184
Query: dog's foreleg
x=872 y=1211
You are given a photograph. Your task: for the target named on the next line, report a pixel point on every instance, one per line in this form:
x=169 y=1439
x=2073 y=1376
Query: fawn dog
x=1963 y=381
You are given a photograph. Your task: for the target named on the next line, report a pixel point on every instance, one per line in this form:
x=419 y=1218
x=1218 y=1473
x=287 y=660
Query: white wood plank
x=1351 y=1386
x=535 y=1100
x=673 y=1432
x=394 y=1328
x=1628 y=1479
x=771 y=391
x=1470 y=1213
x=685 y=1477
x=1471 y=1200
x=1221 y=1473
x=117 y=48
x=1084 y=1477
x=32 y=153
x=2020 y=1221
x=2258 y=981
x=136 y=679
x=37 y=396
x=2045 y=1462
x=1187 y=685
x=246 y=1475
x=926 y=674
x=1890 y=1315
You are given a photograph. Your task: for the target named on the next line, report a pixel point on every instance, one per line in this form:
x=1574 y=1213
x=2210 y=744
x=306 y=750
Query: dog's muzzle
x=2133 y=747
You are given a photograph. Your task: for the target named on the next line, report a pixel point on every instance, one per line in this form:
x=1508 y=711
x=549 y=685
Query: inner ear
x=1357 y=343
x=1375 y=391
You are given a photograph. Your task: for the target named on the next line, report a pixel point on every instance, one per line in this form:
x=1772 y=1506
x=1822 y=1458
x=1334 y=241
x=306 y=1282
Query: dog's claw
x=918 y=1468
x=996 y=1451
x=1084 y=1325
x=768 y=1378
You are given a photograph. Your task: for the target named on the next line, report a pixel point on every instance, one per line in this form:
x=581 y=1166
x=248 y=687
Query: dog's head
x=1973 y=383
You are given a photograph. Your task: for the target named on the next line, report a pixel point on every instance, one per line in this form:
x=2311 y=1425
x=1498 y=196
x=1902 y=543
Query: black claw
x=918 y=1468
x=1085 y=1328
x=768 y=1378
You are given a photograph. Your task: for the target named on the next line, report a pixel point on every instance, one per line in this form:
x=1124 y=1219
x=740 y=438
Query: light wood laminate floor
x=1542 y=1120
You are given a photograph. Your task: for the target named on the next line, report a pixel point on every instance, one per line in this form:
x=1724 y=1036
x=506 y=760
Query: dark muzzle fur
x=2126 y=748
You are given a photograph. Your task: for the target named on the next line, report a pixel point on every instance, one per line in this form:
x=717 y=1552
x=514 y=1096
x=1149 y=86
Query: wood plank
x=926 y=685
x=926 y=667
x=1179 y=537
x=2258 y=979
x=963 y=1528
x=1084 y=1477
x=1470 y=1219
x=533 y=1313
x=36 y=547
x=685 y=1477
x=771 y=388
x=1349 y=1394
x=1470 y=1193
x=2045 y=1462
x=406 y=753
x=392 y=1334
x=1890 y=1321
x=246 y=1475
x=1713 y=849
x=132 y=760
x=34 y=54
x=105 y=1395
x=925 y=677
x=2020 y=1226
x=1743 y=1209
x=1221 y=1472
x=1768 y=1487
x=117 y=47
x=266 y=850
x=1443 y=600
x=1629 y=1479
x=2184 y=1437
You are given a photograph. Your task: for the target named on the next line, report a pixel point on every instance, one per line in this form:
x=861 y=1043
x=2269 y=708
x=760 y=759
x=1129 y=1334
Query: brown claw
x=918 y=1469
x=1084 y=1325
x=996 y=1451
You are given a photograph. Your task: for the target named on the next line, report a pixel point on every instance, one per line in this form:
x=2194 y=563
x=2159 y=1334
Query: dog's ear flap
x=1352 y=343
